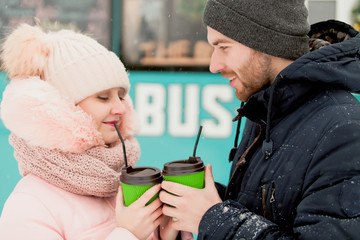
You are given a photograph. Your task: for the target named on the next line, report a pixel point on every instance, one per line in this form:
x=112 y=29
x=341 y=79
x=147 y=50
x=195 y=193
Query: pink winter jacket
x=39 y=210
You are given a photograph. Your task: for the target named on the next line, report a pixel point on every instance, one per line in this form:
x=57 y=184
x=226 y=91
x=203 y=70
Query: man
x=296 y=173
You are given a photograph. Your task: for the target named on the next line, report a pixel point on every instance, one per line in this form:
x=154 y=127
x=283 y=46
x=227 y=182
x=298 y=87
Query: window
x=89 y=16
x=164 y=34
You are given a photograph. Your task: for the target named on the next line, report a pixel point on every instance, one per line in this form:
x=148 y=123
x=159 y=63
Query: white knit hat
x=75 y=64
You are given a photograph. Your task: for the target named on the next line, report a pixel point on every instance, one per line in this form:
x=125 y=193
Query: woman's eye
x=102 y=98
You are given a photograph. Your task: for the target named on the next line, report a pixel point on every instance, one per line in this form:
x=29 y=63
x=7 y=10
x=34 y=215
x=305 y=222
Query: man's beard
x=257 y=73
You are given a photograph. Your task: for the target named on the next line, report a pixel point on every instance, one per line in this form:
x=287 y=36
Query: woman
x=65 y=94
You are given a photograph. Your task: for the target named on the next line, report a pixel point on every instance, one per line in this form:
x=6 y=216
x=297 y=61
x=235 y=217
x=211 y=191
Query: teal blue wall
x=9 y=174
x=156 y=150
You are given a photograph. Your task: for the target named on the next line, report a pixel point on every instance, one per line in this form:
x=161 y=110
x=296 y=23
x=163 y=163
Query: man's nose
x=216 y=63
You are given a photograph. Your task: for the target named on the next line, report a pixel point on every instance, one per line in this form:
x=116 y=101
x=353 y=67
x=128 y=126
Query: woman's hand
x=139 y=219
x=166 y=230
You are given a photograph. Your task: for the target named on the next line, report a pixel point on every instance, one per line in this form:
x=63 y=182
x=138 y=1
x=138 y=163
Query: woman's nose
x=216 y=63
x=118 y=107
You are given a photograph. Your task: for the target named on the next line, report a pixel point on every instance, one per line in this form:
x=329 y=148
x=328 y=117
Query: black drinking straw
x=197 y=141
x=123 y=143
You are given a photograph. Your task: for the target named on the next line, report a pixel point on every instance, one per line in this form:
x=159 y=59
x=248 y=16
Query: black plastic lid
x=183 y=167
x=141 y=176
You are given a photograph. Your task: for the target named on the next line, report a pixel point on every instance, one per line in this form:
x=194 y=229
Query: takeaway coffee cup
x=136 y=180
x=189 y=172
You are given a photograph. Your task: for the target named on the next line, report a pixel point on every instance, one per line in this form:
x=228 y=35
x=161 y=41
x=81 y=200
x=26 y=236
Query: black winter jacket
x=296 y=173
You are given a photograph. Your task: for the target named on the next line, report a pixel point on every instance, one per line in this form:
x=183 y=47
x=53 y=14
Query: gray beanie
x=276 y=27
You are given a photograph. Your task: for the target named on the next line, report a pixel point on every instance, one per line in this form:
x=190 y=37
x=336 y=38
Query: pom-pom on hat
x=276 y=27
x=75 y=64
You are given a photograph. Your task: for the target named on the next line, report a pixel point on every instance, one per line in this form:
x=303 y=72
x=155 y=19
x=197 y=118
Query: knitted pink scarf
x=93 y=172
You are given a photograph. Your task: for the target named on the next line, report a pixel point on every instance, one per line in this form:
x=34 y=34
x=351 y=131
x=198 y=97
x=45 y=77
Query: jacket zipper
x=272 y=198
x=242 y=159
x=263 y=195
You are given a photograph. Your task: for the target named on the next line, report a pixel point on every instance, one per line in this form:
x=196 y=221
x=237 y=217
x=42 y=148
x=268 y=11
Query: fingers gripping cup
x=190 y=172
x=135 y=181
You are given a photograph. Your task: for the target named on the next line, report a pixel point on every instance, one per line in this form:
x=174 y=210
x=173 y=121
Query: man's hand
x=188 y=205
